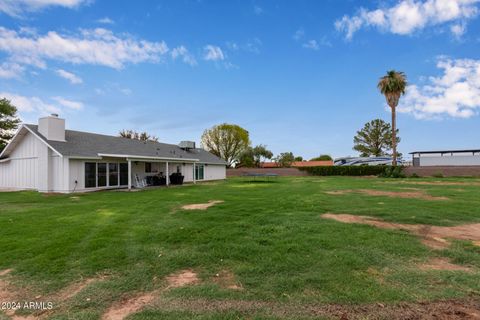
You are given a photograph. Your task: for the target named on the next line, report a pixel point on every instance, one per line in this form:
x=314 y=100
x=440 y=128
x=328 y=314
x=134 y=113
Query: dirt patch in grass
x=439 y=310
x=435 y=183
x=432 y=236
x=338 y=192
x=201 y=206
x=226 y=279
x=442 y=264
x=182 y=278
x=392 y=194
x=75 y=288
x=10 y=293
x=127 y=306
x=130 y=305
x=5 y=272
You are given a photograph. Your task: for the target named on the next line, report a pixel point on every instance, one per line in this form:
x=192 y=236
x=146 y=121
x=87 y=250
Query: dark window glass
x=199 y=172
x=113 y=174
x=102 y=174
x=148 y=167
x=90 y=175
x=123 y=174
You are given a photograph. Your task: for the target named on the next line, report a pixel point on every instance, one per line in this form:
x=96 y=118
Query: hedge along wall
x=345 y=170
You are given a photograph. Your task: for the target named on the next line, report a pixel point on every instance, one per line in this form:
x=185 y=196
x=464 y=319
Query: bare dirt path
x=201 y=206
x=440 y=310
x=417 y=194
x=433 y=236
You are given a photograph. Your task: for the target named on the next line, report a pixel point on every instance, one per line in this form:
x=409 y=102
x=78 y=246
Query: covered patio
x=139 y=172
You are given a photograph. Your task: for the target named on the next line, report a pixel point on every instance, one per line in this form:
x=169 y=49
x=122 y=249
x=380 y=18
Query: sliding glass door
x=123 y=174
x=113 y=174
x=90 y=174
x=199 y=172
x=102 y=174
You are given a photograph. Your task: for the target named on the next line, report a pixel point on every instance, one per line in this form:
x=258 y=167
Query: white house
x=446 y=158
x=48 y=158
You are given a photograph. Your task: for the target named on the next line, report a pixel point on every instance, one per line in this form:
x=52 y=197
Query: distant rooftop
x=447 y=151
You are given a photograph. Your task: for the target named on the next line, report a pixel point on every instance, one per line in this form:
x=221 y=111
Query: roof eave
x=133 y=157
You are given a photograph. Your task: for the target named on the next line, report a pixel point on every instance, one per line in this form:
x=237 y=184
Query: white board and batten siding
x=33 y=165
x=21 y=171
x=215 y=172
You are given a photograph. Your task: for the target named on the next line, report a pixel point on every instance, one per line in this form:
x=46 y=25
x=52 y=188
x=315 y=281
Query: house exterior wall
x=187 y=172
x=215 y=172
x=33 y=165
x=21 y=172
x=449 y=160
x=77 y=173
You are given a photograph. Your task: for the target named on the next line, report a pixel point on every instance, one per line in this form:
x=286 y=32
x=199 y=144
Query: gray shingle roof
x=85 y=144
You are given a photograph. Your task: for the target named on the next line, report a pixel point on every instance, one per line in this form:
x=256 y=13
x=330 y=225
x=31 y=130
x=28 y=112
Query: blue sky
x=300 y=76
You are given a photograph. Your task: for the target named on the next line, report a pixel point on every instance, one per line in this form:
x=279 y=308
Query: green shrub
x=414 y=175
x=392 y=172
x=438 y=175
x=344 y=170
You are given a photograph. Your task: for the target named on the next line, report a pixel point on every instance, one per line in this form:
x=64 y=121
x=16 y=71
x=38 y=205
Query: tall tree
x=322 y=157
x=226 y=141
x=375 y=139
x=261 y=153
x=8 y=122
x=285 y=159
x=246 y=159
x=142 y=136
x=392 y=86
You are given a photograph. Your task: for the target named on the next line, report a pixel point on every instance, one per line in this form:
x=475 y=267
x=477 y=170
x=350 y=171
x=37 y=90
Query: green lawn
x=270 y=236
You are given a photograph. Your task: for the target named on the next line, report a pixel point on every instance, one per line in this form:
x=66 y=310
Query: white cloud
x=257 y=10
x=16 y=8
x=456 y=93
x=10 y=70
x=126 y=91
x=252 y=46
x=97 y=47
x=299 y=34
x=409 y=16
x=213 y=53
x=311 y=44
x=106 y=20
x=458 y=30
x=182 y=52
x=70 y=104
x=74 y=79
x=31 y=107
x=30 y=104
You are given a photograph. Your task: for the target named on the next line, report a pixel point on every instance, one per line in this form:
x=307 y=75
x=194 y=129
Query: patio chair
x=140 y=183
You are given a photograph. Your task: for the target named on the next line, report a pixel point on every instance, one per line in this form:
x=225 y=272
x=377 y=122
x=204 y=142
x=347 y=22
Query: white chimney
x=52 y=127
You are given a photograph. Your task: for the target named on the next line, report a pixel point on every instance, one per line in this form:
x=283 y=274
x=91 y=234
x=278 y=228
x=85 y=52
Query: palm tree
x=392 y=86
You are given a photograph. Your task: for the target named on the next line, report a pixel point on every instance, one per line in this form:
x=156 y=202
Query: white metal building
x=446 y=158
x=48 y=158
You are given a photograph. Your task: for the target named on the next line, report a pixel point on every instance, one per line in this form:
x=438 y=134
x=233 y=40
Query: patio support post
x=167 y=178
x=129 y=175
x=194 y=180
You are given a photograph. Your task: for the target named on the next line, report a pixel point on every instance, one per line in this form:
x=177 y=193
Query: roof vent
x=187 y=145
